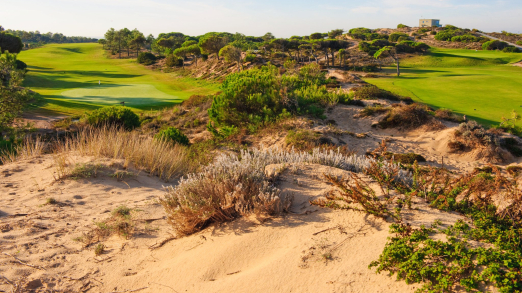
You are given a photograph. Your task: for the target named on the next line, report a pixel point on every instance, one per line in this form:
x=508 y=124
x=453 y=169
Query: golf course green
x=73 y=78
x=484 y=85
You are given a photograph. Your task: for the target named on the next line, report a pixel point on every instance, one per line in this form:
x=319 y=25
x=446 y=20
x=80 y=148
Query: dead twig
x=165 y=286
x=23 y=263
x=233 y=273
x=328 y=229
x=160 y=244
x=129 y=290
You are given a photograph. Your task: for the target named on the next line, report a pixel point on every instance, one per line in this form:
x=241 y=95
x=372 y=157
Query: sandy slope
x=286 y=254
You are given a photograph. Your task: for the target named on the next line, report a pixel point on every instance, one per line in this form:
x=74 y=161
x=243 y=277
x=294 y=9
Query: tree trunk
x=327 y=59
x=196 y=58
x=398 y=68
x=333 y=59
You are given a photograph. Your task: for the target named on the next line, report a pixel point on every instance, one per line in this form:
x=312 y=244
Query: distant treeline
x=35 y=39
x=226 y=45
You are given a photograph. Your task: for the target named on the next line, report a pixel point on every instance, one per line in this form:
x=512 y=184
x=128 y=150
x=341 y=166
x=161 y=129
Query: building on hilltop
x=429 y=23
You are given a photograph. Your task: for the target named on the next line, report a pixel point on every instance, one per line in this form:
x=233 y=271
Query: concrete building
x=429 y=23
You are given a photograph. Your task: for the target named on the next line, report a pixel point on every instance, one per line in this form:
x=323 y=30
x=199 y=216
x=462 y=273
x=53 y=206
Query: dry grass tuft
x=154 y=156
x=407 y=116
x=30 y=148
x=486 y=144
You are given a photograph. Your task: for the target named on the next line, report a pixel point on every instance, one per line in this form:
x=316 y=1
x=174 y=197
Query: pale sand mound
x=293 y=253
x=432 y=144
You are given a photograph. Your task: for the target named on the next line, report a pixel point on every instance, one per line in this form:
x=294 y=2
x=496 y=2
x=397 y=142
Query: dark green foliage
x=113 y=116
x=394 y=37
x=512 y=146
x=10 y=43
x=13 y=96
x=174 y=135
x=494 y=45
x=20 y=65
x=519 y=43
x=365 y=34
x=250 y=57
x=467 y=38
x=254 y=97
x=146 y=58
x=172 y=61
x=511 y=49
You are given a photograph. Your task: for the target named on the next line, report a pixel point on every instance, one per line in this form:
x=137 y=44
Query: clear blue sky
x=283 y=18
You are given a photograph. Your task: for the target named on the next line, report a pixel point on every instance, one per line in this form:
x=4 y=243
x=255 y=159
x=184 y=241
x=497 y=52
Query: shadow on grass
x=97 y=73
x=72 y=50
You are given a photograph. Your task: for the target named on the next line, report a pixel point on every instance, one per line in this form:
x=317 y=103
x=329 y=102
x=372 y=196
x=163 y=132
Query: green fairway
x=480 y=84
x=72 y=78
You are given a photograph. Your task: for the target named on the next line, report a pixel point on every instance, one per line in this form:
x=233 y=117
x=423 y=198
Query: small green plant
x=123 y=212
x=84 y=171
x=99 y=249
x=173 y=135
x=113 y=116
x=50 y=201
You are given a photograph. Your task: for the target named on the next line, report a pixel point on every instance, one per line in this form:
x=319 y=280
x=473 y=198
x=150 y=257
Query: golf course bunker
x=111 y=94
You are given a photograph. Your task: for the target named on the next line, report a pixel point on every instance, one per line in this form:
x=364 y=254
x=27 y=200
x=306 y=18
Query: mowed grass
x=484 y=85
x=67 y=77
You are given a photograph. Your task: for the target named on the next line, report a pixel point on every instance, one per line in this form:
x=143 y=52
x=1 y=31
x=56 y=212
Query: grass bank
x=72 y=78
x=484 y=85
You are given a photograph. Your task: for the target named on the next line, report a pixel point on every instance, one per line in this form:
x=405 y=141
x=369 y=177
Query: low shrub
x=254 y=97
x=394 y=37
x=407 y=116
x=305 y=140
x=408 y=158
x=512 y=146
x=146 y=58
x=494 y=45
x=371 y=92
x=447 y=114
x=250 y=57
x=511 y=49
x=514 y=170
x=234 y=186
x=173 y=61
x=113 y=116
x=371 y=110
x=400 y=25
x=173 y=135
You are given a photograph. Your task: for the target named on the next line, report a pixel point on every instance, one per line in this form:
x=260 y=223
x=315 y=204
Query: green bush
x=467 y=38
x=113 y=116
x=511 y=49
x=400 y=25
x=172 y=61
x=250 y=58
x=519 y=43
x=394 y=37
x=20 y=65
x=494 y=45
x=146 y=58
x=173 y=135
x=254 y=97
